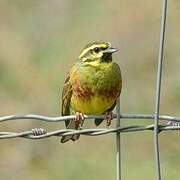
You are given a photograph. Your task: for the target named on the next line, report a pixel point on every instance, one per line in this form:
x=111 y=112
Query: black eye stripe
x=96 y=49
x=103 y=48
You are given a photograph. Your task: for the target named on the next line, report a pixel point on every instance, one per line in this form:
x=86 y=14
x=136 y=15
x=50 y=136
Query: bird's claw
x=79 y=119
x=108 y=118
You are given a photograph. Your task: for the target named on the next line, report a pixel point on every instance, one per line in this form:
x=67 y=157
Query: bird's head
x=97 y=52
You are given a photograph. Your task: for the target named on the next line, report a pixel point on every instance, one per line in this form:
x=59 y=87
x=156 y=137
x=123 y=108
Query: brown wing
x=66 y=98
x=65 y=110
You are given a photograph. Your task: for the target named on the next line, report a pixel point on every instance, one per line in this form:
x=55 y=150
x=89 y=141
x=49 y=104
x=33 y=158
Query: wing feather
x=65 y=110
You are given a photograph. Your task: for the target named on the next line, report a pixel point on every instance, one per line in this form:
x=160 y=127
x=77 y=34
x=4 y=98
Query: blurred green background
x=40 y=40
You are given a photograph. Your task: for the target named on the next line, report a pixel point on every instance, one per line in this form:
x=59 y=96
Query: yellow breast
x=95 y=105
x=94 y=88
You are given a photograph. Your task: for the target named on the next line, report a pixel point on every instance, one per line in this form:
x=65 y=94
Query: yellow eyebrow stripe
x=91 y=47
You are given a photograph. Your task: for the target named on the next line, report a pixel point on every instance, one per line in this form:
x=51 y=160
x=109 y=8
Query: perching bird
x=92 y=86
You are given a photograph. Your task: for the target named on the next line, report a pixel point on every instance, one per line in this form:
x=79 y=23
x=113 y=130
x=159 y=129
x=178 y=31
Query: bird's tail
x=72 y=125
x=98 y=121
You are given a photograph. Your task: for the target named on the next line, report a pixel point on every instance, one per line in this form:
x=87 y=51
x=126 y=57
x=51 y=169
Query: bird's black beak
x=110 y=50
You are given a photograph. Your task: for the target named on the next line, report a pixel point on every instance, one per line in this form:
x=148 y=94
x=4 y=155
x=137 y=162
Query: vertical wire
x=158 y=89
x=118 y=143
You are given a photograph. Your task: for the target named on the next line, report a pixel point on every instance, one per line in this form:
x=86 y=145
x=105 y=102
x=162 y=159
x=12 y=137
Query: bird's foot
x=79 y=119
x=108 y=118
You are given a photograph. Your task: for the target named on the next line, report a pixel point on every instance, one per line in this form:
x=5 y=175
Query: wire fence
x=158 y=123
x=171 y=123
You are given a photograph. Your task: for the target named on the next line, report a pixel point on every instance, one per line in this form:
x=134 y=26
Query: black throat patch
x=107 y=57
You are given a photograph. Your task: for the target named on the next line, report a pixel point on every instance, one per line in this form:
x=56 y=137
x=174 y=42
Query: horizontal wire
x=63 y=118
x=40 y=133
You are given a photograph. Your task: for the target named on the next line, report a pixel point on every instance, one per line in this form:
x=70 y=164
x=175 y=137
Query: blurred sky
x=39 y=42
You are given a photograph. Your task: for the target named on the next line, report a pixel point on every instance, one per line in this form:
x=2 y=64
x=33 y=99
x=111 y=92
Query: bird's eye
x=96 y=49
